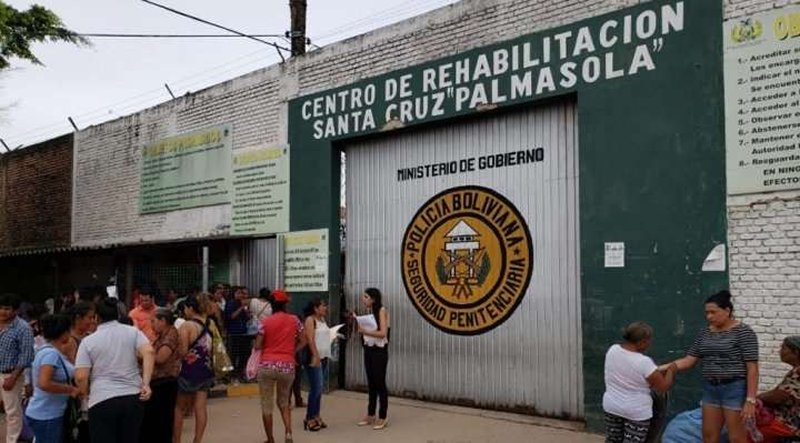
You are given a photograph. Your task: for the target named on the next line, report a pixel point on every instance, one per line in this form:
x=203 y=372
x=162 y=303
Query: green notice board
x=260 y=191
x=186 y=171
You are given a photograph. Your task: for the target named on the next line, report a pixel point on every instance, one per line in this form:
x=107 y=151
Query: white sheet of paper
x=367 y=322
x=323 y=345
x=615 y=255
x=335 y=331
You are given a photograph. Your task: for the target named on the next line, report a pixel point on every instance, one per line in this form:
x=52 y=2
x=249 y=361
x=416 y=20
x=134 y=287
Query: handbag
x=764 y=415
x=73 y=414
x=221 y=360
x=252 y=325
x=27 y=433
x=251 y=371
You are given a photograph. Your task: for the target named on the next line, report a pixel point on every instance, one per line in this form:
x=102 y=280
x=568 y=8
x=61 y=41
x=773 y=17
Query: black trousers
x=117 y=420
x=375 y=361
x=159 y=411
x=239 y=348
x=298 y=382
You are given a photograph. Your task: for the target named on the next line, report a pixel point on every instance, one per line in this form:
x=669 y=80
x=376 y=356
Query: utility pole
x=298 y=33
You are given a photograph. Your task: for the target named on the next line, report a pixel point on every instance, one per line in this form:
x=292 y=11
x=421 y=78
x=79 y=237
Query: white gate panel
x=532 y=361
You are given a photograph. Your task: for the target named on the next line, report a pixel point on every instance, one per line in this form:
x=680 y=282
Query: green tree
x=18 y=29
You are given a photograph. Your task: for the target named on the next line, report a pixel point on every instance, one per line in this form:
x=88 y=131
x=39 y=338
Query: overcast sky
x=116 y=77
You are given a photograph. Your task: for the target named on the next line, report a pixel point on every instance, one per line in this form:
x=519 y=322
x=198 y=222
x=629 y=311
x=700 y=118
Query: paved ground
x=237 y=420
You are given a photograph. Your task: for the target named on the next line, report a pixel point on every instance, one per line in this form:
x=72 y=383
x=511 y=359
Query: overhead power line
x=113 y=35
x=153 y=96
x=277 y=47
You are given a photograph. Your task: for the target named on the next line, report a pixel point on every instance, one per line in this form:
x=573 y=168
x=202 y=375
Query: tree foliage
x=19 y=29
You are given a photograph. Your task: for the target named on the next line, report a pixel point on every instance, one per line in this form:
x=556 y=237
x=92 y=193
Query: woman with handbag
x=778 y=410
x=260 y=308
x=52 y=375
x=279 y=338
x=196 y=376
x=159 y=411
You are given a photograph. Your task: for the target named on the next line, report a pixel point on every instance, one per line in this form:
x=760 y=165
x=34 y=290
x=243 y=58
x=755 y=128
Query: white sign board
x=762 y=101
x=615 y=255
x=305 y=261
x=260 y=191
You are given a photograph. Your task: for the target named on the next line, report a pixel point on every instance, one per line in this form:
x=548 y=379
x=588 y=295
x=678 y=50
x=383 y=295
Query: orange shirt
x=142 y=319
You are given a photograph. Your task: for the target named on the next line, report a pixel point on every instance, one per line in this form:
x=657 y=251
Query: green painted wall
x=651 y=175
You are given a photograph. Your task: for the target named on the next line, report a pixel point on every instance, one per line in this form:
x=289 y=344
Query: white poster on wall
x=762 y=101
x=305 y=261
x=615 y=255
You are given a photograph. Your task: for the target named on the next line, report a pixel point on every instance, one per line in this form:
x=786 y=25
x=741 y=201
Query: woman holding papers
x=374 y=329
x=316 y=363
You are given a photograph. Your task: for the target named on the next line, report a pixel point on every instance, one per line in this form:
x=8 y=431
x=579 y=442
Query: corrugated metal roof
x=50 y=250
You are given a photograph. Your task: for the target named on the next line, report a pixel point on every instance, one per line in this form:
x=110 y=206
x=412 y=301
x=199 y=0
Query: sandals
x=311 y=425
x=366 y=421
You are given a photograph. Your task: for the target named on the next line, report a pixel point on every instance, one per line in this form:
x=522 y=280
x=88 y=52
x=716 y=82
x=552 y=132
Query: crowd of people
x=88 y=369
x=98 y=372
x=731 y=405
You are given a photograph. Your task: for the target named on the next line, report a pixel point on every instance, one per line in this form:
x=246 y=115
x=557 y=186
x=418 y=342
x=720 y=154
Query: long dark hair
x=377 y=303
x=80 y=310
x=196 y=302
x=308 y=311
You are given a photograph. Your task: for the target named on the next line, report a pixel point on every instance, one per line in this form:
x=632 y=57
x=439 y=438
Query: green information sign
x=260 y=191
x=186 y=171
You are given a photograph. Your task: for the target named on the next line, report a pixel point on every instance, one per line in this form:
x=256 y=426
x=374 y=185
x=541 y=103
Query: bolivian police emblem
x=467 y=259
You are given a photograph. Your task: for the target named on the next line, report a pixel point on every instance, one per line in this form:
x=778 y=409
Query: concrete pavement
x=236 y=419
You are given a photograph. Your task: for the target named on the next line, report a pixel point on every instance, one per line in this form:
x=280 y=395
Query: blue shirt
x=47 y=405
x=16 y=346
x=238 y=325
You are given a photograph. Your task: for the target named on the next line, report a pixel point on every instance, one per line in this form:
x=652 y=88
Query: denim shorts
x=725 y=396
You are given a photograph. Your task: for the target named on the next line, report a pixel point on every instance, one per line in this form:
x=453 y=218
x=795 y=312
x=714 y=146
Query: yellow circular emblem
x=467 y=259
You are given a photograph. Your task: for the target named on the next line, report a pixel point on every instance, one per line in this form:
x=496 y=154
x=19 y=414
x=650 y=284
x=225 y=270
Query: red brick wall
x=36 y=196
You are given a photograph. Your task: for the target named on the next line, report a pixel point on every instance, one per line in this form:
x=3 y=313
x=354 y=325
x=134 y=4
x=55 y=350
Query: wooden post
x=298 y=34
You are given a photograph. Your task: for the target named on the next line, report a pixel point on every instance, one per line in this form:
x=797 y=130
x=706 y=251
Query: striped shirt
x=725 y=353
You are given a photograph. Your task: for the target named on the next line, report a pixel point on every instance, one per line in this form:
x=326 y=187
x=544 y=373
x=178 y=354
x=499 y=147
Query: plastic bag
x=335 y=351
x=752 y=430
x=222 y=362
x=659 y=419
x=251 y=371
x=687 y=427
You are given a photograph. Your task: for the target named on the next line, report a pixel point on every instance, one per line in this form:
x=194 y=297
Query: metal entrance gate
x=531 y=362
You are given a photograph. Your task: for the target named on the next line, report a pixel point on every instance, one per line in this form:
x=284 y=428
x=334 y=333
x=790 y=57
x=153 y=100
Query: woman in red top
x=279 y=337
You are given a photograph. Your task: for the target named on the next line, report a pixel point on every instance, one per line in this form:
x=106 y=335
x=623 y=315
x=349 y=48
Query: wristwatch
x=751 y=400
